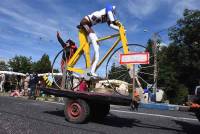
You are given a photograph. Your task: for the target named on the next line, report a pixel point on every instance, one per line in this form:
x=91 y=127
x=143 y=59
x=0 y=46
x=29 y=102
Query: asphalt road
x=20 y=116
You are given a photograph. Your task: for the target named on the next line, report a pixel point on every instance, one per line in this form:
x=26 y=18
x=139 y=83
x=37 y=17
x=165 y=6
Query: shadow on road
x=51 y=122
x=189 y=128
x=116 y=121
x=56 y=113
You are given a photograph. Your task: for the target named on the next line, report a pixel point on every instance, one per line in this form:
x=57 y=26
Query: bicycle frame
x=85 y=48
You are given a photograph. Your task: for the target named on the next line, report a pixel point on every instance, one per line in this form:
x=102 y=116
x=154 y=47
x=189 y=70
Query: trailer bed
x=90 y=96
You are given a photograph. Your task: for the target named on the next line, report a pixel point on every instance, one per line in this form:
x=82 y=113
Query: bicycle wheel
x=122 y=74
x=67 y=79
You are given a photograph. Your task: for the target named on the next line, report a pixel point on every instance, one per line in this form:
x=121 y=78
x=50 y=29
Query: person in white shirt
x=2 y=81
x=101 y=16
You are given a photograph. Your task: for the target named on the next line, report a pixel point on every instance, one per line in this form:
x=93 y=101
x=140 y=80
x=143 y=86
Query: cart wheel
x=99 y=111
x=76 y=111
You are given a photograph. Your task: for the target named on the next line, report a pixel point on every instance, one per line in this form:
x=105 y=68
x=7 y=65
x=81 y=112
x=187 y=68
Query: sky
x=28 y=27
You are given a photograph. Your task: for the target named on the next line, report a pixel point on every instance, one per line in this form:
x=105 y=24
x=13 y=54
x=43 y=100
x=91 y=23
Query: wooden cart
x=81 y=106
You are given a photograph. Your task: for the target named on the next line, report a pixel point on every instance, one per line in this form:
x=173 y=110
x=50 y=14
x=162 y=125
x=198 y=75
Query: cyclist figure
x=101 y=16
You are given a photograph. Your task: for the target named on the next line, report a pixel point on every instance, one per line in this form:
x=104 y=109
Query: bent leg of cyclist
x=93 y=39
x=92 y=36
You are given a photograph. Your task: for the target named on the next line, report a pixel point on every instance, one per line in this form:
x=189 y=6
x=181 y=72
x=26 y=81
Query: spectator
x=21 y=84
x=37 y=91
x=33 y=83
x=26 y=84
x=16 y=92
x=18 y=80
x=2 y=81
x=83 y=86
x=136 y=101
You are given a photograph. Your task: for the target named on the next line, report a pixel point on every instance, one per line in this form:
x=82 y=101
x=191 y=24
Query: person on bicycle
x=101 y=16
x=69 y=49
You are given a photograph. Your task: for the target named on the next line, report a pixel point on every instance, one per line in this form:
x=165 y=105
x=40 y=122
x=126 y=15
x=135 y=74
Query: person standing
x=33 y=83
x=2 y=81
x=83 y=87
x=136 y=101
x=26 y=84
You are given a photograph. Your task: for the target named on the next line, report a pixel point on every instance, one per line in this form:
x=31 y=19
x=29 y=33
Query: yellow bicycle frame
x=85 y=48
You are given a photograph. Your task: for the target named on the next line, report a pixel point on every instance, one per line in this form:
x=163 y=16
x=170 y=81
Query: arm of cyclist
x=112 y=21
x=61 y=40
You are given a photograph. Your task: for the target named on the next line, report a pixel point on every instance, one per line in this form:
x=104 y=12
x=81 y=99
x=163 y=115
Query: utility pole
x=133 y=75
x=155 y=40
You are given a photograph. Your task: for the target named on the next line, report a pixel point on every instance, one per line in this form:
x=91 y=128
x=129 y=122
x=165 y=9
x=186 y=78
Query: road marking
x=130 y=112
x=157 y=115
x=54 y=102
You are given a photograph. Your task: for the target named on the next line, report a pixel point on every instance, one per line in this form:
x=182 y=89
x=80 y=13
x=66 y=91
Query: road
x=20 y=116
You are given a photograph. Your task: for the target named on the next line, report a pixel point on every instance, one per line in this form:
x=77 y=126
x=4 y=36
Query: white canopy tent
x=12 y=73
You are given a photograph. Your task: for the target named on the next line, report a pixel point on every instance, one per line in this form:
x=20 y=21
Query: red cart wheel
x=76 y=111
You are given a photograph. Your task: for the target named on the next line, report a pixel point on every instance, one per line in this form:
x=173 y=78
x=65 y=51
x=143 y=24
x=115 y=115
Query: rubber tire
x=84 y=110
x=99 y=111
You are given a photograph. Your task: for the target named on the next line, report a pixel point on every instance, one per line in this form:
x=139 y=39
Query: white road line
x=54 y=102
x=157 y=115
x=129 y=112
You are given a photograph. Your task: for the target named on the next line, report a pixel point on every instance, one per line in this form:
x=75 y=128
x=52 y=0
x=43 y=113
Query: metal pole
x=155 y=63
x=133 y=69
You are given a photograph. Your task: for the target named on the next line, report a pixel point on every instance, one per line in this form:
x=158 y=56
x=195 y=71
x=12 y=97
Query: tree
x=185 y=37
x=43 y=65
x=112 y=74
x=119 y=73
x=179 y=64
x=20 y=64
x=147 y=68
x=175 y=91
x=3 y=66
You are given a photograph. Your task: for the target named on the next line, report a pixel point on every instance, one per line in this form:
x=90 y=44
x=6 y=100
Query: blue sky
x=28 y=27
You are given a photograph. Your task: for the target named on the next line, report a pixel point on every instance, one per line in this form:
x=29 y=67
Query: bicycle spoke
x=120 y=76
x=147 y=67
x=145 y=73
x=142 y=79
x=119 y=71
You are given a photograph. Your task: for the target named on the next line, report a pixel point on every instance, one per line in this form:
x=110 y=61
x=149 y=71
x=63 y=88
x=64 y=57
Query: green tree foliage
x=147 y=68
x=186 y=38
x=179 y=63
x=24 y=64
x=119 y=73
x=55 y=71
x=20 y=64
x=3 y=66
x=43 y=65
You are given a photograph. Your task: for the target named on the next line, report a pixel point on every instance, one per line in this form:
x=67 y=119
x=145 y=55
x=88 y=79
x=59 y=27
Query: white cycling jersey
x=102 y=16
